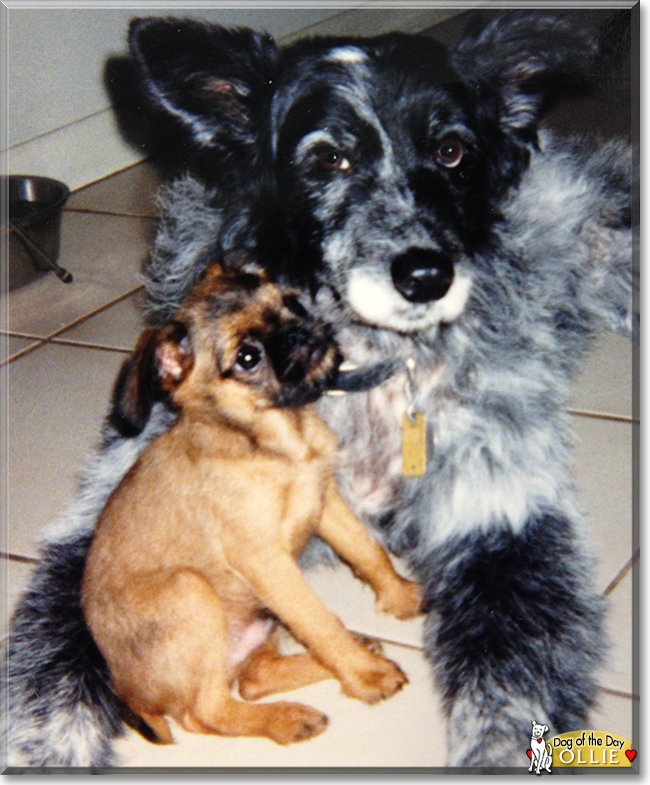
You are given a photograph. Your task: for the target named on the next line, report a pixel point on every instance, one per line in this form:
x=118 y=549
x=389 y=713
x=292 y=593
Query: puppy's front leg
x=279 y=583
x=350 y=539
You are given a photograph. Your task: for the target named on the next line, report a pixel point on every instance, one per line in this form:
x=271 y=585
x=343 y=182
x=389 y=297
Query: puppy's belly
x=244 y=638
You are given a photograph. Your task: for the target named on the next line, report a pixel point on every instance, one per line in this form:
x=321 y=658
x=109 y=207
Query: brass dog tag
x=414 y=445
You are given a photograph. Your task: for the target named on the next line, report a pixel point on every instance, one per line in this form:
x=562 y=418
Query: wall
x=59 y=119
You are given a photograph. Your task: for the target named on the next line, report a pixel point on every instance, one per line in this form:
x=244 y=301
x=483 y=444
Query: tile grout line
x=19 y=558
x=52 y=338
x=622 y=573
x=81 y=345
x=110 y=213
x=96 y=312
x=27 y=350
x=602 y=416
x=411 y=646
x=618 y=694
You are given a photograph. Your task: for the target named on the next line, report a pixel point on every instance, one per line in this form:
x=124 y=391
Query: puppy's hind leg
x=268 y=672
x=173 y=662
x=363 y=675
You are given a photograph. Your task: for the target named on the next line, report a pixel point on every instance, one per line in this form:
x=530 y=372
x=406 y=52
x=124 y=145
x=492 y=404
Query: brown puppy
x=194 y=557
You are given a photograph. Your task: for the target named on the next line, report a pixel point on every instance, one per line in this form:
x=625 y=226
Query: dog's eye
x=332 y=159
x=294 y=305
x=248 y=357
x=450 y=153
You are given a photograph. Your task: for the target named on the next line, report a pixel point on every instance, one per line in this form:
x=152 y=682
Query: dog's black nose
x=422 y=275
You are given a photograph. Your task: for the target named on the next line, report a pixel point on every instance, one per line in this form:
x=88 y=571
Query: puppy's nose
x=421 y=275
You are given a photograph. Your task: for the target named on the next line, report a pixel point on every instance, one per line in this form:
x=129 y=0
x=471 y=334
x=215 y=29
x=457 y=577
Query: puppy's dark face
x=238 y=341
x=246 y=331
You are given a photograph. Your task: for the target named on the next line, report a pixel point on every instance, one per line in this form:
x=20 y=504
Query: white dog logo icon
x=541 y=754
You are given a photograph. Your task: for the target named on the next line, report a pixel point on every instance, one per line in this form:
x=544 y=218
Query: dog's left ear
x=530 y=61
x=161 y=360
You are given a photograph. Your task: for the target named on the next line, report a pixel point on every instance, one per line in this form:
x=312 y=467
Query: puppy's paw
x=403 y=599
x=293 y=722
x=380 y=680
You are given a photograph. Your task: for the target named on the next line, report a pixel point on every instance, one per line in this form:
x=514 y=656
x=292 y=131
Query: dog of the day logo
x=579 y=749
x=540 y=753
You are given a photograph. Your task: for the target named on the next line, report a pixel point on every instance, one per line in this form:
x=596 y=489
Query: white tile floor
x=66 y=343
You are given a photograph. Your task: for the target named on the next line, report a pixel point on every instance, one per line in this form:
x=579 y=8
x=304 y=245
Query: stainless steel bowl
x=35 y=206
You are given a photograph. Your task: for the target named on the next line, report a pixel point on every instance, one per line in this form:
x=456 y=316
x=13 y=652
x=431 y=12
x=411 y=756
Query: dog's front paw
x=380 y=680
x=293 y=722
x=403 y=599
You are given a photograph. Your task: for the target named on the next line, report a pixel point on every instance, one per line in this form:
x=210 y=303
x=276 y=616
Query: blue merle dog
x=410 y=193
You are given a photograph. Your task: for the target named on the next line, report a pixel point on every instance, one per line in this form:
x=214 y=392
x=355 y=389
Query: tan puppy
x=194 y=558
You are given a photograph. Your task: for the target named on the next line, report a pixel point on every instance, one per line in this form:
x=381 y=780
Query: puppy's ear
x=161 y=360
x=173 y=356
x=211 y=79
x=530 y=60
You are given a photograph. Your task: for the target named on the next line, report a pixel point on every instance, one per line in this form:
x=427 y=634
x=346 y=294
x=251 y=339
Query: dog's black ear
x=213 y=80
x=160 y=361
x=530 y=61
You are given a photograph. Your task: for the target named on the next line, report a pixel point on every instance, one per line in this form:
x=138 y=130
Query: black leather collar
x=365 y=378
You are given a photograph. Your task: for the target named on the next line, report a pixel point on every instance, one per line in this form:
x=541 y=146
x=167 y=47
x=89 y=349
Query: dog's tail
x=60 y=710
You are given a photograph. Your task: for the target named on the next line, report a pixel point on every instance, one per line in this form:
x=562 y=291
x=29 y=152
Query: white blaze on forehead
x=347 y=54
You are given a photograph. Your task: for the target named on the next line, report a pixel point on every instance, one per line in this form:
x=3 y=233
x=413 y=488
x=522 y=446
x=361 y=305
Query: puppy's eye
x=450 y=153
x=248 y=357
x=331 y=159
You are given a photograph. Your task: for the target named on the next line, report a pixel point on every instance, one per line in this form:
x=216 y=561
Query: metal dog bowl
x=35 y=212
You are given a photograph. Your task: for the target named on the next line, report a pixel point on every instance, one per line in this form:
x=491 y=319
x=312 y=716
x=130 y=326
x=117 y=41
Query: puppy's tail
x=59 y=708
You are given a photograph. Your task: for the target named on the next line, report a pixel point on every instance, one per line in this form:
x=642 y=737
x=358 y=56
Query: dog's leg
x=284 y=723
x=508 y=641
x=268 y=672
x=172 y=661
x=341 y=529
x=548 y=759
x=363 y=675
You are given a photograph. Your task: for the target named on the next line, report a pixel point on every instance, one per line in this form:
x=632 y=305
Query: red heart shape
x=631 y=755
x=530 y=753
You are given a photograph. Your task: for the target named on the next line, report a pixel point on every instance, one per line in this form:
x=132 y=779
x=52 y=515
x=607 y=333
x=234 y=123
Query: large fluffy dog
x=408 y=190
